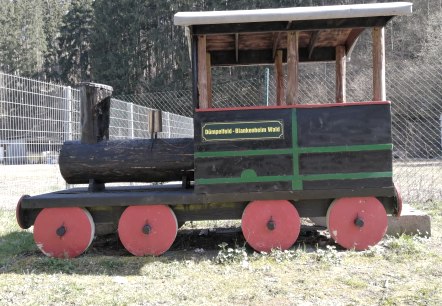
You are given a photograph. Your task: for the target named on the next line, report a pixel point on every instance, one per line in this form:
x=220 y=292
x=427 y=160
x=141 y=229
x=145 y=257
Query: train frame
x=265 y=165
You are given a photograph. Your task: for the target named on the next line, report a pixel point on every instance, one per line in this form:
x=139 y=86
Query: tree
x=75 y=42
x=54 y=10
x=23 y=43
x=432 y=48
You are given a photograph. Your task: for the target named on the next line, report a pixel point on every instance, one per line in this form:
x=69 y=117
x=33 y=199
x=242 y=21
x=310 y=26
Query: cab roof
x=244 y=37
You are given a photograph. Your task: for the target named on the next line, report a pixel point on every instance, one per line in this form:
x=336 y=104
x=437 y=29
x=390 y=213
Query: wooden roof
x=248 y=37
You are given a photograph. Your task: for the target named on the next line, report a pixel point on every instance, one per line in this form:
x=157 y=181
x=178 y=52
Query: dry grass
x=405 y=270
x=401 y=271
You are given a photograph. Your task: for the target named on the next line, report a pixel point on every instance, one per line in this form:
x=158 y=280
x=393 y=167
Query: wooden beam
x=379 y=93
x=209 y=79
x=276 y=38
x=340 y=74
x=312 y=44
x=265 y=56
x=202 y=73
x=352 y=39
x=296 y=25
x=292 y=67
x=279 y=79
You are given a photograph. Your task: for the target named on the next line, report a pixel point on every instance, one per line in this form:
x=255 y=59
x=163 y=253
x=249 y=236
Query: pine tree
x=53 y=21
x=75 y=42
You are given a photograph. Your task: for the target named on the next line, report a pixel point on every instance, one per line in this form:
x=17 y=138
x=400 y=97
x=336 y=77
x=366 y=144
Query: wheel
x=147 y=230
x=64 y=232
x=268 y=225
x=398 y=199
x=357 y=223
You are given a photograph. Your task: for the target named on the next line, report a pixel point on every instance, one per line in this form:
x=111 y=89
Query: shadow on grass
x=106 y=256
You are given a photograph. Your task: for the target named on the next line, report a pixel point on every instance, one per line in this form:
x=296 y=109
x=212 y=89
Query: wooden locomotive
x=266 y=165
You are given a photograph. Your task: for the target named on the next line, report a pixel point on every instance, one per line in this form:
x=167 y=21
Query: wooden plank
x=226 y=167
x=379 y=93
x=202 y=73
x=345 y=162
x=292 y=68
x=259 y=57
x=296 y=25
x=344 y=126
x=279 y=79
x=343 y=184
x=135 y=196
x=340 y=74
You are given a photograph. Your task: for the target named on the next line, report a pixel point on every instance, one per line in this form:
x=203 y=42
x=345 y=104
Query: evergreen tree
x=75 y=42
x=23 y=43
x=53 y=21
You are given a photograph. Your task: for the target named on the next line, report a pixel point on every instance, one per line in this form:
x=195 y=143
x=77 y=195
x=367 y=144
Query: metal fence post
x=267 y=77
x=68 y=124
x=168 y=125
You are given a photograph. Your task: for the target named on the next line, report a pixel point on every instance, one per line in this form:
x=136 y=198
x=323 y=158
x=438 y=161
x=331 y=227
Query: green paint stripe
x=296 y=182
x=344 y=176
x=230 y=180
x=355 y=148
x=310 y=177
x=243 y=153
x=332 y=149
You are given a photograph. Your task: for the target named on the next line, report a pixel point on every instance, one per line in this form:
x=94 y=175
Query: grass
x=399 y=271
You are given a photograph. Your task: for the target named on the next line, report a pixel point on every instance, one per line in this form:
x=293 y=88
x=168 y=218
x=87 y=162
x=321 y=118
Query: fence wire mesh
x=37 y=117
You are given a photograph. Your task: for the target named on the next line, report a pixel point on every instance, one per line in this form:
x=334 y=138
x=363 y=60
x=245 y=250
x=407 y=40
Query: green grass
x=399 y=271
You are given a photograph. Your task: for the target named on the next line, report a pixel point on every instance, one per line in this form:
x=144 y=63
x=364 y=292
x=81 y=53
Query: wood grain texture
x=202 y=73
x=292 y=68
x=340 y=74
x=279 y=79
x=158 y=160
x=379 y=93
x=348 y=125
x=345 y=162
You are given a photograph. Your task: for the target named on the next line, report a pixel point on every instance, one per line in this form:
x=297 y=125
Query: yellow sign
x=247 y=130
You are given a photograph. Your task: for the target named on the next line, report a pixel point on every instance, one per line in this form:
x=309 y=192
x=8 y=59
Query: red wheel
x=268 y=225
x=398 y=199
x=64 y=232
x=357 y=223
x=147 y=230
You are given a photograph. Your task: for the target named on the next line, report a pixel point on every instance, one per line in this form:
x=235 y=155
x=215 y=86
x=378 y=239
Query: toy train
x=267 y=165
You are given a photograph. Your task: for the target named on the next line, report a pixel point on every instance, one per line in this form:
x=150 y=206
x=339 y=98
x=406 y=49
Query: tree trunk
x=145 y=160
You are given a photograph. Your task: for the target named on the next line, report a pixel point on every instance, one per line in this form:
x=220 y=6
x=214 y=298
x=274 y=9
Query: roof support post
x=209 y=79
x=279 y=79
x=292 y=67
x=379 y=93
x=340 y=74
x=203 y=73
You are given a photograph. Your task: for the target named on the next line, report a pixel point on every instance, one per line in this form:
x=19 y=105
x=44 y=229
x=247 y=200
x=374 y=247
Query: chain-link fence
x=36 y=117
x=415 y=90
